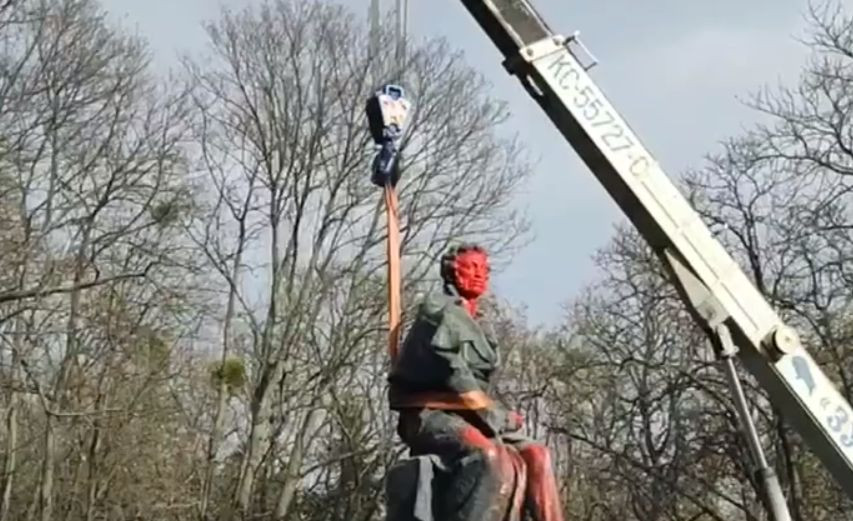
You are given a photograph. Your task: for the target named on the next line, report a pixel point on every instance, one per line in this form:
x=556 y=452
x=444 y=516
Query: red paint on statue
x=471 y=274
x=543 y=498
x=472 y=437
x=499 y=461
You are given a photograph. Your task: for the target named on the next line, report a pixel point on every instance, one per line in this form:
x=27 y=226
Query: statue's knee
x=485 y=458
x=537 y=456
x=481 y=448
x=490 y=460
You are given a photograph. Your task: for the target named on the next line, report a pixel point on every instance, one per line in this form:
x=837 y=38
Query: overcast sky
x=675 y=69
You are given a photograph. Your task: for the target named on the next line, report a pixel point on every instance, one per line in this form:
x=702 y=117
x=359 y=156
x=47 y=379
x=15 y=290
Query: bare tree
x=654 y=405
x=91 y=144
x=781 y=195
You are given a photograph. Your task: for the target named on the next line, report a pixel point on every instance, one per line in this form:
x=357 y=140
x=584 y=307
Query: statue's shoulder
x=435 y=306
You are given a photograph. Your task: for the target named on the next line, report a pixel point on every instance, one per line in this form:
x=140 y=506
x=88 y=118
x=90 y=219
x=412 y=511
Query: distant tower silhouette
x=401 y=28
x=373 y=17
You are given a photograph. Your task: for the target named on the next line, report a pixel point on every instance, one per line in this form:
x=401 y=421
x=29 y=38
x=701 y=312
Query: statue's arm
x=489 y=415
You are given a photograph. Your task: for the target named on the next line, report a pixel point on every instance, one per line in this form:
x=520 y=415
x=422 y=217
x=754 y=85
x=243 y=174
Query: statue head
x=466 y=268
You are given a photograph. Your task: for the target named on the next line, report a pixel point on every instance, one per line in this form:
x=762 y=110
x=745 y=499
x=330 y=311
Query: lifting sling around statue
x=439 y=385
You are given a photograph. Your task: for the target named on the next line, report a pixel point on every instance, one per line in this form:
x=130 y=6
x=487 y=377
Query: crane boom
x=715 y=289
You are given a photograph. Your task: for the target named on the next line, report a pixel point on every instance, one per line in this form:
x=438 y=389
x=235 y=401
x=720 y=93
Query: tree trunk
x=60 y=395
x=786 y=468
x=222 y=395
x=11 y=448
x=48 y=461
x=10 y=464
x=259 y=436
x=293 y=467
x=93 y=467
x=271 y=371
x=212 y=447
x=34 y=504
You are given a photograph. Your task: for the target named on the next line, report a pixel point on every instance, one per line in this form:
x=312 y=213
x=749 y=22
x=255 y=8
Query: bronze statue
x=439 y=385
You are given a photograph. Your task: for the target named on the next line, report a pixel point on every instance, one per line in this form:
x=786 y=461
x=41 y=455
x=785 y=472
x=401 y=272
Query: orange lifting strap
x=394 y=277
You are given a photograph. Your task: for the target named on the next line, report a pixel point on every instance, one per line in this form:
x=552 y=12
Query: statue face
x=472 y=274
